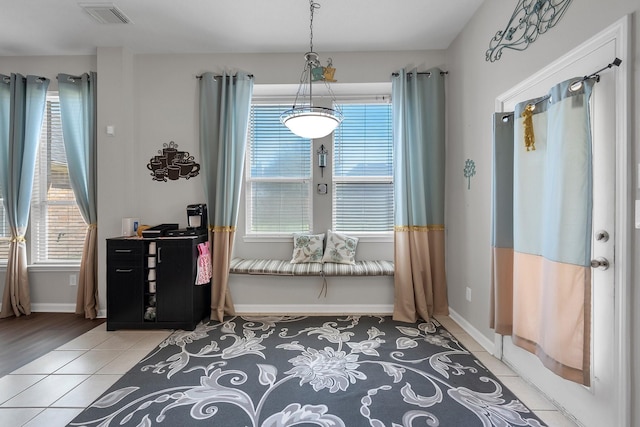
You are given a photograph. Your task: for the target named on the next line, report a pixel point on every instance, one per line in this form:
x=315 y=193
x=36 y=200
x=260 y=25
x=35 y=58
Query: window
x=363 y=170
x=57 y=228
x=278 y=175
x=279 y=167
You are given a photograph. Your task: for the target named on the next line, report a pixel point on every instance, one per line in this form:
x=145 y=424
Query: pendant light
x=304 y=119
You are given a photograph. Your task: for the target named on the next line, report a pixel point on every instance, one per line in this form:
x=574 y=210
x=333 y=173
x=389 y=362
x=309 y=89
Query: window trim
x=380 y=237
x=343 y=93
x=32 y=243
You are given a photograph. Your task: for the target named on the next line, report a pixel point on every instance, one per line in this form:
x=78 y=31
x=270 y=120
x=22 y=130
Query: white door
x=597 y=405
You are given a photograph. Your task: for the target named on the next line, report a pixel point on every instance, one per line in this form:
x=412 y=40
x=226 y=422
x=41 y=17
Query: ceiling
x=62 y=27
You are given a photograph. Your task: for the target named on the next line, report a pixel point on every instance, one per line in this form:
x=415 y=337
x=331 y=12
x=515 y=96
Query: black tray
x=158 y=230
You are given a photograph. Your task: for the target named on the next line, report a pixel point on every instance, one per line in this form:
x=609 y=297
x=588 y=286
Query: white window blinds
x=278 y=175
x=363 y=170
x=57 y=227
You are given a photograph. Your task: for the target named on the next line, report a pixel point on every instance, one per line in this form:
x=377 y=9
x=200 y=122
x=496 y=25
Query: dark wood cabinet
x=151 y=283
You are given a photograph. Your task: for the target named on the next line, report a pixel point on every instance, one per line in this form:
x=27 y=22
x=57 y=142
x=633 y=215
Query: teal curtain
x=542 y=227
x=225 y=103
x=501 y=318
x=78 y=111
x=418 y=104
x=22 y=103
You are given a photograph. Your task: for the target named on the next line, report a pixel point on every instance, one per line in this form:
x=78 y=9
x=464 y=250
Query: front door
x=598 y=404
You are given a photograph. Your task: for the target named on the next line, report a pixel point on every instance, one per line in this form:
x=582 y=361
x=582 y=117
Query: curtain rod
x=595 y=75
x=73 y=78
x=428 y=73
x=616 y=62
x=39 y=79
x=219 y=76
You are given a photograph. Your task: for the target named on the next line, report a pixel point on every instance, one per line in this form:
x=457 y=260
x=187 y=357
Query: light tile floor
x=527 y=394
x=52 y=390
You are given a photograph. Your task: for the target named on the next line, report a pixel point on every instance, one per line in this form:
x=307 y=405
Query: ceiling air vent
x=105 y=13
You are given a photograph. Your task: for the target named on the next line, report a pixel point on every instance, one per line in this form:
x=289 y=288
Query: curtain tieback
x=222 y=228
x=93 y=226
x=529 y=138
x=19 y=239
x=432 y=227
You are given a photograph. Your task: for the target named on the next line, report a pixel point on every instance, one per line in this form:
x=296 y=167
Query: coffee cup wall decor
x=172 y=164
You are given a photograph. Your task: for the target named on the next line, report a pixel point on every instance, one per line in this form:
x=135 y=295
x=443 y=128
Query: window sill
x=362 y=238
x=47 y=268
x=267 y=239
x=52 y=268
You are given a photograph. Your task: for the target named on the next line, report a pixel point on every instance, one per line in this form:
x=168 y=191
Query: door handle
x=159 y=250
x=600 y=262
x=122 y=270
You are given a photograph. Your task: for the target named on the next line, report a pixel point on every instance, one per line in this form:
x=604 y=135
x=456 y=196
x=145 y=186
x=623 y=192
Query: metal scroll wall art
x=530 y=19
x=172 y=164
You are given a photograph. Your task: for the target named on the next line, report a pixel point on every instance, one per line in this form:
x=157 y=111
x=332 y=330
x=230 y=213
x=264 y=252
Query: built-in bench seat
x=286 y=268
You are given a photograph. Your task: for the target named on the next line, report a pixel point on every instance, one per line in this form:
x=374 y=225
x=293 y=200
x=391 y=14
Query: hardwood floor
x=25 y=338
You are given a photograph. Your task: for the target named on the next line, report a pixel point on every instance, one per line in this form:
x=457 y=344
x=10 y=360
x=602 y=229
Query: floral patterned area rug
x=309 y=371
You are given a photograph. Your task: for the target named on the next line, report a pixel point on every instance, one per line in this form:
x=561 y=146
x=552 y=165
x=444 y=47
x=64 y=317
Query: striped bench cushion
x=361 y=268
x=274 y=267
x=285 y=268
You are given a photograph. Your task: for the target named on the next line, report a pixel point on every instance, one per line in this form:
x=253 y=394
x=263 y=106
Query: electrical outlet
x=468 y=294
x=73 y=280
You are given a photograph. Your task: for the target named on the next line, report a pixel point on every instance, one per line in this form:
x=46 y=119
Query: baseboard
x=485 y=342
x=309 y=309
x=53 y=308
x=59 y=308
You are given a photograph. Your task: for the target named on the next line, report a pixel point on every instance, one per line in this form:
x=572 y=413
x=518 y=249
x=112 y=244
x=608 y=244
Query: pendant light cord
x=312 y=7
x=310 y=60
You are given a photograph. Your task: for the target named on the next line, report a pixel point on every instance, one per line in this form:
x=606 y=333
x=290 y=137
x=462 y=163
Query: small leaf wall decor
x=469 y=171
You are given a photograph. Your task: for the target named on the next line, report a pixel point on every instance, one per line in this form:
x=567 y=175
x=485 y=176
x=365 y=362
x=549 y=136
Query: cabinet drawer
x=124 y=251
x=118 y=271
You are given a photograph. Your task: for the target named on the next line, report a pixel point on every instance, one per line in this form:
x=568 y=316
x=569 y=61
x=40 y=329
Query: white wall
x=159 y=98
x=472 y=87
x=151 y=100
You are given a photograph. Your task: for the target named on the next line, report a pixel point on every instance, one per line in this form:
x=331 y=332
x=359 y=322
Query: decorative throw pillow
x=340 y=249
x=307 y=248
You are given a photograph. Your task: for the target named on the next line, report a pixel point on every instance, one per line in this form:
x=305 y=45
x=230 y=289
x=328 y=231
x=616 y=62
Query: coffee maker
x=196 y=222
x=197 y=216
